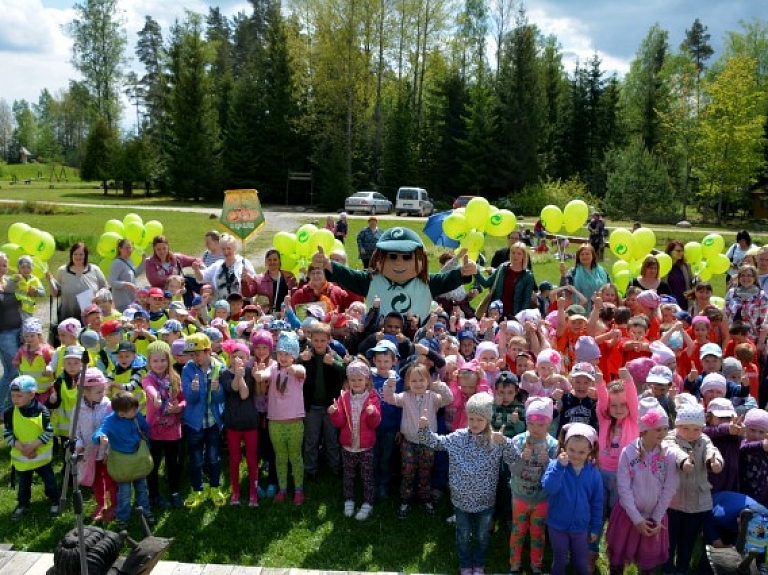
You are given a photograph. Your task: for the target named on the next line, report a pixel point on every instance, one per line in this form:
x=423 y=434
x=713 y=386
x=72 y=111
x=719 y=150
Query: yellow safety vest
x=27 y=430
x=58 y=369
x=28 y=303
x=36 y=369
x=157 y=324
x=61 y=418
x=125 y=377
x=142 y=344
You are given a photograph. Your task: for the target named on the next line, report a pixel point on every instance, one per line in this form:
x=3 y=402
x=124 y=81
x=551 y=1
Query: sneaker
x=280 y=497
x=109 y=515
x=451 y=519
x=121 y=525
x=218 y=497
x=234 y=500
x=176 y=501
x=536 y=571
x=260 y=491
x=514 y=572
x=53 y=511
x=349 y=508
x=254 y=501
x=160 y=503
x=364 y=512
x=429 y=507
x=298 y=498
x=194 y=499
x=271 y=490
x=97 y=514
x=466 y=571
x=19 y=512
x=478 y=571
x=402 y=511
x=151 y=521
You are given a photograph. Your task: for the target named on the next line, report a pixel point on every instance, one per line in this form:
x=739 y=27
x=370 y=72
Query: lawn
x=314 y=536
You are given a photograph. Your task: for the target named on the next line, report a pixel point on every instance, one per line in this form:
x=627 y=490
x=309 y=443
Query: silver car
x=368 y=202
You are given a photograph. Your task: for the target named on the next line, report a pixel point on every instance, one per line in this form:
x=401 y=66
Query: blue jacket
x=198 y=401
x=390 y=414
x=122 y=433
x=575 y=501
x=732 y=388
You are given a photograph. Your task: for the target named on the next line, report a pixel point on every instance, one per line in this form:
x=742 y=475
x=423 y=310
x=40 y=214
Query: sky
x=35 y=53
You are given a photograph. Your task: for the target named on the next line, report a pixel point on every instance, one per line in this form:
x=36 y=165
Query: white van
x=413 y=201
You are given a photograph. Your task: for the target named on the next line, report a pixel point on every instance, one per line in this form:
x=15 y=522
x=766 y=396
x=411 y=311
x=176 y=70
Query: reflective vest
x=35 y=368
x=142 y=343
x=27 y=302
x=126 y=377
x=27 y=430
x=157 y=323
x=61 y=418
x=58 y=368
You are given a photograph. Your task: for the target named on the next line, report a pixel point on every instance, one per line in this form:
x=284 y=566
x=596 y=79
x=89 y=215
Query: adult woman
x=318 y=289
x=587 y=276
x=515 y=282
x=164 y=263
x=746 y=302
x=76 y=282
x=10 y=330
x=270 y=288
x=737 y=252
x=649 y=277
x=225 y=275
x=122 y=275
x=680 y=277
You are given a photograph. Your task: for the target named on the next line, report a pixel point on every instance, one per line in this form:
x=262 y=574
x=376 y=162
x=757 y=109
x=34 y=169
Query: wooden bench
x=28 y=181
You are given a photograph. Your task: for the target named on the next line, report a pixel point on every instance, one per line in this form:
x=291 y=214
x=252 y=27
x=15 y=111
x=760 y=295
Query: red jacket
x=333 y=293
x=368 y=421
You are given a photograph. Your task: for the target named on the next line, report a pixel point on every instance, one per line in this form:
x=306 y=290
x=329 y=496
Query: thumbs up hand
x=424 y=419
x=468 y=268
x=689 y=465
x=498 y=436
x=715 y=464
x=334 y=407
x=196 y=383
x=563 y=458
x=320 y=260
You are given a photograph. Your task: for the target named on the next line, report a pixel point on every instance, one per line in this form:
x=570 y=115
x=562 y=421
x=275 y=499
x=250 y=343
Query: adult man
x=596 y=229
x=366 y=240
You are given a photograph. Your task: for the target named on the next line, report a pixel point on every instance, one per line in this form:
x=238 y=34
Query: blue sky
x=35 y=53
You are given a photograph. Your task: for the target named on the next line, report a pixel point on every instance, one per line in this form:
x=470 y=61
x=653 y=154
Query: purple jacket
x=728 y=445
x=753 y=471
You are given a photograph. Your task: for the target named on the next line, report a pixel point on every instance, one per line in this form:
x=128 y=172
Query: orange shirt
x=753 y=374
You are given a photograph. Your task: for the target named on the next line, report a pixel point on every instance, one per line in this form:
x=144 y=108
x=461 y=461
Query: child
x=534 y=450
x=384 y=356
x=325 y=371
x=470 y=379
x=63 y=396
x=753 y=460
x=357 y=414
x=575 y=490
x=28 y=433
x=416 y=458
x=694 y=456
x=577 y=406
x=659 y=381
x=745 y=353
x=94 y=409
x=165 y=404
x=128 y=373
x=637 y=344
x=28 y=287
x=726 y=432
x=105 y=300
x=68 y=331
x=241 y=420
x=34 y=356
x=286 y=414
x=262 y=346
x=141 y=335
x=112 y=332
x=546 y=381
x=475 y=454
x=202 y=420
x=647 y=480
x=123 y=430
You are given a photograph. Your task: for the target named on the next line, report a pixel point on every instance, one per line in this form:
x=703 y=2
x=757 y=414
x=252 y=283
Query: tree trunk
x=106 y=188
x=128 y=188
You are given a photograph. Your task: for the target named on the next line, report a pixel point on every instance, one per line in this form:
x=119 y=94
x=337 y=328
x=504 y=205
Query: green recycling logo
x=708 y=242
x=621 y=249
x=303 y=237
x=495 y=219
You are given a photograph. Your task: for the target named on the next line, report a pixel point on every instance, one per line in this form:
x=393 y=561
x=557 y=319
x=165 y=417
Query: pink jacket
x=609 y=454
x=368 y=421
x=162 y=426
x=456 y=413
x=262 y=285
x=156 y=272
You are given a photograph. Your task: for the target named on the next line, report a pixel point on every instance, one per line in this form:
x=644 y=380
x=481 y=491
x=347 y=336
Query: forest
x=459 y=98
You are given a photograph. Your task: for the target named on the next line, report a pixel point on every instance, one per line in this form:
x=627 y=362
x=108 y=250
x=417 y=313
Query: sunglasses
x=404 y=257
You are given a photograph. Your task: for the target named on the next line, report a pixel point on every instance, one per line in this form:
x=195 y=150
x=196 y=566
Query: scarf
x=227 y=279
x=745 y=294
x=589 y=281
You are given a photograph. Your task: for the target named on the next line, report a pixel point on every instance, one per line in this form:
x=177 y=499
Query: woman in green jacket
x=512 y=282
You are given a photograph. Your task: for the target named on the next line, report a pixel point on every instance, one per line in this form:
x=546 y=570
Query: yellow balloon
x=621 y=279
x=473 y=256
x=717 y=301
x=17 y=231
x=575 y=215
x=137 y=256
x=13 y=251
x=719 y=264
x=152 y=229
x=693 y=252
x=477 y=212
x=643 y=241
x=105 y=263
x=551 y=218
x=456 y=226
x=322 y=238
x=501 y=223
x=621 y=243
x=287 y=262
x=48 y=245
x=134 y=231
x=132 y=218
x=473 y=241
x=634 y=267
x=705 y=274
x=665 y=264
x=115 y=226
x=284 y=242
x=618 y=266
x=712 y=245
x=39 y=267
x=107 y=245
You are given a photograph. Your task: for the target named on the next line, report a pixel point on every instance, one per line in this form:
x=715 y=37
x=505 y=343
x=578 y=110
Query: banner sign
x=241 y=213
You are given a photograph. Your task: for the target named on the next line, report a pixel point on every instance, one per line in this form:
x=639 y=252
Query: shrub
x=531 y=199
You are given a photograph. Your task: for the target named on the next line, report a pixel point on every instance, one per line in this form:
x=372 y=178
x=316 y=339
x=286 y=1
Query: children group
x=635 y=422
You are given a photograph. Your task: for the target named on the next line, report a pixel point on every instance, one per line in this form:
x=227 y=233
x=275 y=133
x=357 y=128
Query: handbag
x=482 y=309
x=128 y=467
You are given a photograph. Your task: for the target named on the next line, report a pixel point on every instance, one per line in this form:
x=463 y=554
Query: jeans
x=9 y=345
x=564 y=541
x=382 y=456
x=683 y=531
x=317 y=427
x=49 y=481
x=204 y=442
x=472 y=528
x=124 y=498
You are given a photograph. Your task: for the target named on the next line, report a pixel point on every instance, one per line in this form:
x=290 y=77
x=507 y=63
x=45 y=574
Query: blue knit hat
x=288 y=342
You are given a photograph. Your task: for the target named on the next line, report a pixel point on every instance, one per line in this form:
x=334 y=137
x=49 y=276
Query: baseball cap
x=383 y=346
x=584 y=368
x=110 y=327
x=179 y=347
x=73 y=352
x=24 y=383
x=140 y=314
x=399 y=239
x=93 y=308
x=171 y=326
x=721 y=407
x=660 y=374
x=683 y=316
x=126 y=346
x=576 y=309
x=155 y=292
x=177 y=306
x=545 y=285
x=466 y=334
x=710 y=349
x=197 y=342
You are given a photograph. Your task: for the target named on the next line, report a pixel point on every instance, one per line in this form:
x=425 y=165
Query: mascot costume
x=398 y=275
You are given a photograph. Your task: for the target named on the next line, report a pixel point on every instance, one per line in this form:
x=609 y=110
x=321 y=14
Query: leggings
x=350 y=461
x=234 y=439
x=564 y=541
x=287 y=439
x=103 y=484
x=527 y=516
x=684 y=529
x=170 y=448
x=417 y=460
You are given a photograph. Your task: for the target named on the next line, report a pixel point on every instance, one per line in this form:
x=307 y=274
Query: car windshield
x=409 y=195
